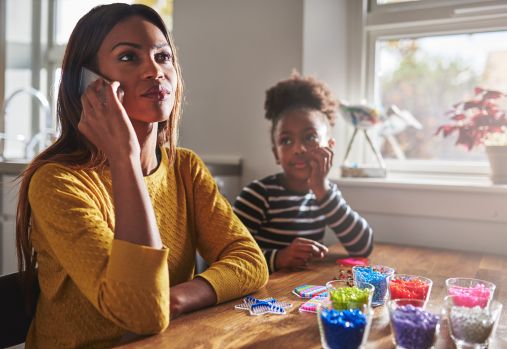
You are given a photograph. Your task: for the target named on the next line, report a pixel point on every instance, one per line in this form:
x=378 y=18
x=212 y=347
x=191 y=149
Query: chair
x=14 y=319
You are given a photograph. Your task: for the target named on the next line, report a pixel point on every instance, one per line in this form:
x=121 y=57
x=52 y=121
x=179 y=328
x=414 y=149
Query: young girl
x=287 y=212
x=113 y=212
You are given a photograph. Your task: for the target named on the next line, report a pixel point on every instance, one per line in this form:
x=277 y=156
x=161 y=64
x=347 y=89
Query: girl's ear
x=273 y=149
x=331 y=142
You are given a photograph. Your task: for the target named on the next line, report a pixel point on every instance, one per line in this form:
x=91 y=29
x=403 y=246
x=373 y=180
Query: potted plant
x=482 y=120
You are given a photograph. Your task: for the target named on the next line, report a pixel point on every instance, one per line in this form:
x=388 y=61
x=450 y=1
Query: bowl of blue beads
x=413 y=326
x=376 y=275
x=343 y=328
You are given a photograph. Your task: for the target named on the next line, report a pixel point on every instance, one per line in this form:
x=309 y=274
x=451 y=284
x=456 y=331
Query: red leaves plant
x=474 y=119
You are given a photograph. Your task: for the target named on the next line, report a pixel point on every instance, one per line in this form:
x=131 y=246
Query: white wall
x=231 y=51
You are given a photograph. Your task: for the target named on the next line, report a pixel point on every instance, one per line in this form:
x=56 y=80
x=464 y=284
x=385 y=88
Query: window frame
x=422 y=19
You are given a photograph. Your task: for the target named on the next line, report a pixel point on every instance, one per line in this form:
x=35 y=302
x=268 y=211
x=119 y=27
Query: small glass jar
x=412 y=326
x=377 y=275
x=410 y=286
x=343 y=329
x=345 y=295
x=471 y=327
x=470 y=292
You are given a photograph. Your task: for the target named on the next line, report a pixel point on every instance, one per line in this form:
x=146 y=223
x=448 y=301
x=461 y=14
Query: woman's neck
x=147 y=137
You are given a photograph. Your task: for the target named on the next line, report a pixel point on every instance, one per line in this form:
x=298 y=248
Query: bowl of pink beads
x=470 y=292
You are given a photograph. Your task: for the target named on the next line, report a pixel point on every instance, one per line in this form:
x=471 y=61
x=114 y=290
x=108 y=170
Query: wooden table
x=224 y=327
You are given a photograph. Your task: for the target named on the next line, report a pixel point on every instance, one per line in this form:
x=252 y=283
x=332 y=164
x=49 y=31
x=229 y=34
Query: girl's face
x=297 y=132
x=137 y=54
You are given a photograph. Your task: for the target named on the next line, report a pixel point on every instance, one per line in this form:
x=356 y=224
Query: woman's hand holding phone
x=105 y=123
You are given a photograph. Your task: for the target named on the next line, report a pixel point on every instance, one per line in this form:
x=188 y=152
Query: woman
x=113 y=212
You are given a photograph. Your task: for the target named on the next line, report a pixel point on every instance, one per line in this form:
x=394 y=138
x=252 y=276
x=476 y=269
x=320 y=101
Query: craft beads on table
x=410 y=288
x=248 y=301
x=311 y=305
x=263 y=306
x=473 y=325
x=413 y=327
x=349 y=297
x=478 y=295
x=310 y=291
x=343 y=329
x=378 y=276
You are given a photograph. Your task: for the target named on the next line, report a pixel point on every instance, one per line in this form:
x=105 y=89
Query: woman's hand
x=105 y=123
x=321 y=161
x=191 y=295
x=299 y=253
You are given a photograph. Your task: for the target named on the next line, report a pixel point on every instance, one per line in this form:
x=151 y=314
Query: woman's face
x=137 y=54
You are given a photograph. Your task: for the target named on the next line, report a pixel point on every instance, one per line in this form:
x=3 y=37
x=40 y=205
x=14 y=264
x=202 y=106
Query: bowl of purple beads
x=412 y=325
x=376 y=275
x=343 y=328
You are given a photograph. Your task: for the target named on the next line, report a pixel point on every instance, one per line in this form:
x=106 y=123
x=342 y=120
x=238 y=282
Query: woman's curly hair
x=298 y=92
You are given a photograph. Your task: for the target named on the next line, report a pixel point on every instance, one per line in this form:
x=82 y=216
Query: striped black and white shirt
x=275 y=216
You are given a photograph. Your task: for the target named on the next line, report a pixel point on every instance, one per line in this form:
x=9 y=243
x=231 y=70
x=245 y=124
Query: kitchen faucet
x=45 y=128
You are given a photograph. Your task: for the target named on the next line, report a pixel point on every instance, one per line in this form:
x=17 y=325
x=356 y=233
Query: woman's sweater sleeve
x=353 y=231
x=237 y=266
x=127 y=283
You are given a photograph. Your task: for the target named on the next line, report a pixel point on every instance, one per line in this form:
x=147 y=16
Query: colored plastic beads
x=310 y=291
x=378 y=276
x=478 y=295
x=413 y=288
x=349 y=297
x=413 y=327
x=473 y=325
x=343 y=329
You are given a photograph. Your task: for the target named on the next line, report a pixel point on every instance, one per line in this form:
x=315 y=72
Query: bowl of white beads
x=471 y=326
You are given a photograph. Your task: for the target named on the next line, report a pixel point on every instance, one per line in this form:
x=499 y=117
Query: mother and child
x=111 y=215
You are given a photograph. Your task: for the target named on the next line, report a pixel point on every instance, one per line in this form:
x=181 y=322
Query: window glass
x=70 y=11
x=427 y=76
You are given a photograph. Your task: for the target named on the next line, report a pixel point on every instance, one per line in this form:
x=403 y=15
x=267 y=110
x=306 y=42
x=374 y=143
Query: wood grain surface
x=224 y=327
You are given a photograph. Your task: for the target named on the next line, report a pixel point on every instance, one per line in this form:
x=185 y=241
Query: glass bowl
x=471 y=327
x=347 y=328
x=378 y=276
x=470 y=292
x=345 y=295
x=412 y=325
x=410 y=286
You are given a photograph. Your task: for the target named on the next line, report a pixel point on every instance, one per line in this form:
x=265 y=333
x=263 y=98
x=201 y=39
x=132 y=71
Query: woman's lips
x=158 y=93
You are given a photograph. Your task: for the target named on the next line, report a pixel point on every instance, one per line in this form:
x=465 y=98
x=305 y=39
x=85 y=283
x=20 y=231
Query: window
x=33 y=55
x=423 y=57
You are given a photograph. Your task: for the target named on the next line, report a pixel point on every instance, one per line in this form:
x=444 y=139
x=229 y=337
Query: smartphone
x=87 y=77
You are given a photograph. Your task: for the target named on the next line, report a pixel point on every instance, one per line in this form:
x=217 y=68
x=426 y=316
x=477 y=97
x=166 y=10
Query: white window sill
x=456 y=183
x=465 y=213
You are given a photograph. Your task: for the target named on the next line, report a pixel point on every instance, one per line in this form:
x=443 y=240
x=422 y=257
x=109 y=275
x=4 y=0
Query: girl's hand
x=299 y=253
x=105 y=123
x=321 y=161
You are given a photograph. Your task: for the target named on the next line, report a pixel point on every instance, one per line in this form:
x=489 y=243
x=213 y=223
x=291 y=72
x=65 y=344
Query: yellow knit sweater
x=95 y=288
